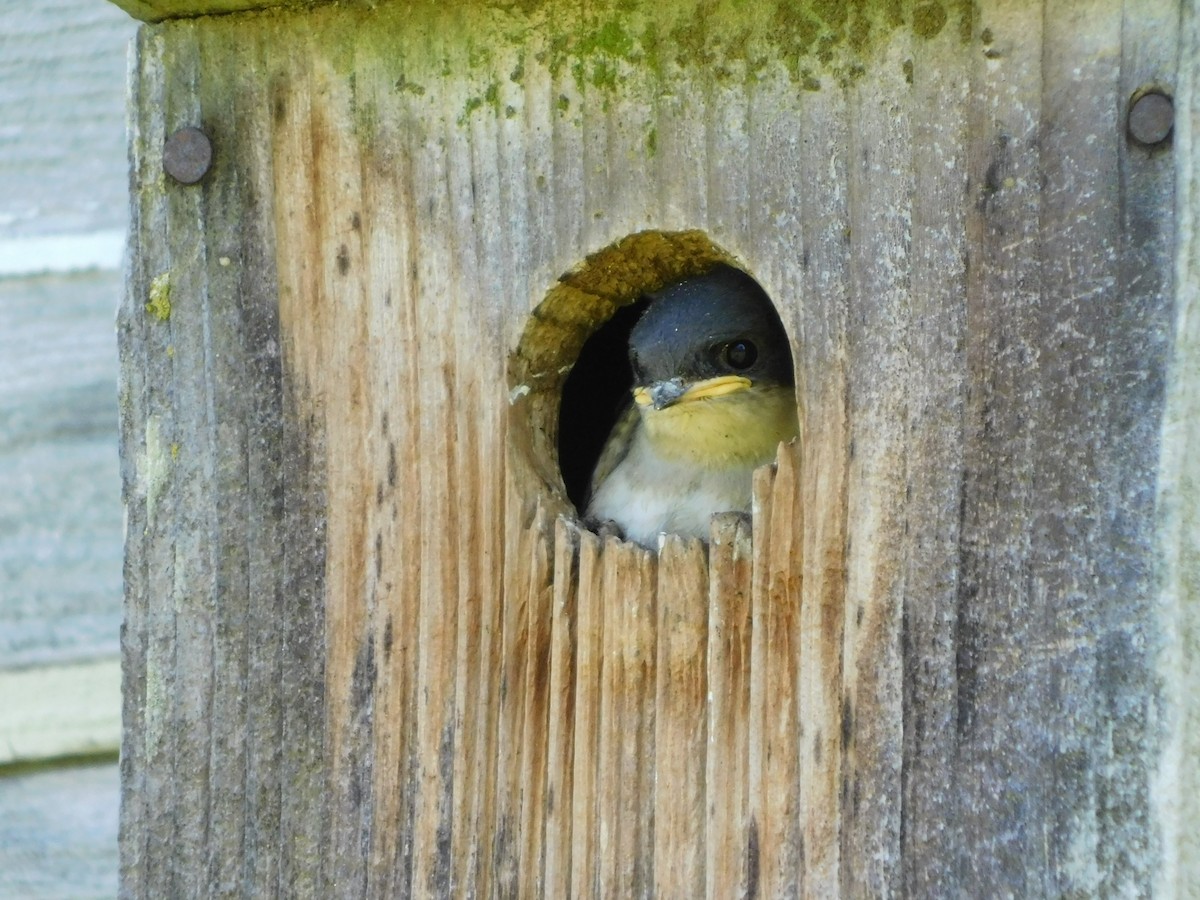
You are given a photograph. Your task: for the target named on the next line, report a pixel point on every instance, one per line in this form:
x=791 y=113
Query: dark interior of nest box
x=593 y=396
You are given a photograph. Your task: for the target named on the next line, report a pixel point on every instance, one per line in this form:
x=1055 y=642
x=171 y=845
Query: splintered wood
x=660 y=736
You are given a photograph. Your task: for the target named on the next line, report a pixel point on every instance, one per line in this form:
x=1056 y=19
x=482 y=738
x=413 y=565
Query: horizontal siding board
x=60 y=711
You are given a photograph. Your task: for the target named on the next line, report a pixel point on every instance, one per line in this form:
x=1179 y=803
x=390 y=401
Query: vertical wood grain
x=625 y=762
x=1152 y=48
x=936 y=384
x=998 y=476
x=822 y=231
x=561 y=725
x=775 y=656
x=302 y=691
x=728 y=841
x=192 y=602
x=1084 y=323
x=680 y=736
x=391 y=241
x=880 y=328
x=589 y=662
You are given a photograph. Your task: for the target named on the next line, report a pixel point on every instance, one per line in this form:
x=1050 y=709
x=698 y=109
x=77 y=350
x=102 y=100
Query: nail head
x=187 y=155
x=1151 y=117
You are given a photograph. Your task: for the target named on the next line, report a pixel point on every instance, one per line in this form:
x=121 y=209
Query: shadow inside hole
x=593 y=397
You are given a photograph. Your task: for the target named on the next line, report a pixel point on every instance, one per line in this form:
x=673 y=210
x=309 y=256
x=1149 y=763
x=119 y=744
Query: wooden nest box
x=369 y=651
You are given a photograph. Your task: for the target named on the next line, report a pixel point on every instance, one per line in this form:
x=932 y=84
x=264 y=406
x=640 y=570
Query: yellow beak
x=667 y=393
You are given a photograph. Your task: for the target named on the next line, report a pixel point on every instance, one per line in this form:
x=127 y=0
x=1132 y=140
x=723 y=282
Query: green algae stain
x=404 y=86
x=159 y=304
x=859 y=35
x=801 y=30
x=601 y=45
x=611 y=39
x=595 y=53
x=929 y=19
x=651 y=46
x=603 y=74
x=832 y=12
x=690 y=37
x=473 y=105
x=652 y=142
x=557 y=54
x=966 y=19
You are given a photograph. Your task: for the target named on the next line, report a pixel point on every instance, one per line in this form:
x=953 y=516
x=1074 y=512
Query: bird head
x=712 y=368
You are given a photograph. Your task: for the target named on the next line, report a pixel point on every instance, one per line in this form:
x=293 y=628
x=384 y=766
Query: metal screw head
x=187 y=155
x=1151 y=117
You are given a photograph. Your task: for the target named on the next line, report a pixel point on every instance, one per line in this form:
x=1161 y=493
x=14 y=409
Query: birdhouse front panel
x=366 y=615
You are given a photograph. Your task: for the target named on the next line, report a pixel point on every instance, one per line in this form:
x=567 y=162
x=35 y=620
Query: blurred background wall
x=63 y=215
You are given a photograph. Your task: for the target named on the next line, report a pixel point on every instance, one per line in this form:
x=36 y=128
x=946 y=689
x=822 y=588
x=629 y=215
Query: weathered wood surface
x=363 y=654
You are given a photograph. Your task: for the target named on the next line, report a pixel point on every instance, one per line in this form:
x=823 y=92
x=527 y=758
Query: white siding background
x=63 y=214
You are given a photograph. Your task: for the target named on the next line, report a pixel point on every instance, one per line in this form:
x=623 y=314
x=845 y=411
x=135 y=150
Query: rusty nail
x=1151 y=117
x=187 y=155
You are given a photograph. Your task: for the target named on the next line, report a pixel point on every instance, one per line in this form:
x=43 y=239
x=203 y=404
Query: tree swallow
x=713 y=397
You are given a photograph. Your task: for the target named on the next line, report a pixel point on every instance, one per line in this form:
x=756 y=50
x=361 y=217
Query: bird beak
x=667 y=393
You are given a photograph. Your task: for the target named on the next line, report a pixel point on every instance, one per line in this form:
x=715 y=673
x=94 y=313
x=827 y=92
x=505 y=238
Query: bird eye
x=739 y=354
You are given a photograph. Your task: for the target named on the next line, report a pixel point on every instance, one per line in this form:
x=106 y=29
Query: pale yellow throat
x=721 y=422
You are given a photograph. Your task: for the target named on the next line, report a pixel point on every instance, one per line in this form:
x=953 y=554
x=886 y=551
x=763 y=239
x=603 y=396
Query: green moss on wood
x=611 y=39
x=159 y=304
x=601 y=45
x=472 y=104
x=929 y=19
x=460 y=56
x=404 y=86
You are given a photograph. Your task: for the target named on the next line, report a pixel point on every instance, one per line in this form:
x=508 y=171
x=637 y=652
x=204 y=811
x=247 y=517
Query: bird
x=713 y=396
